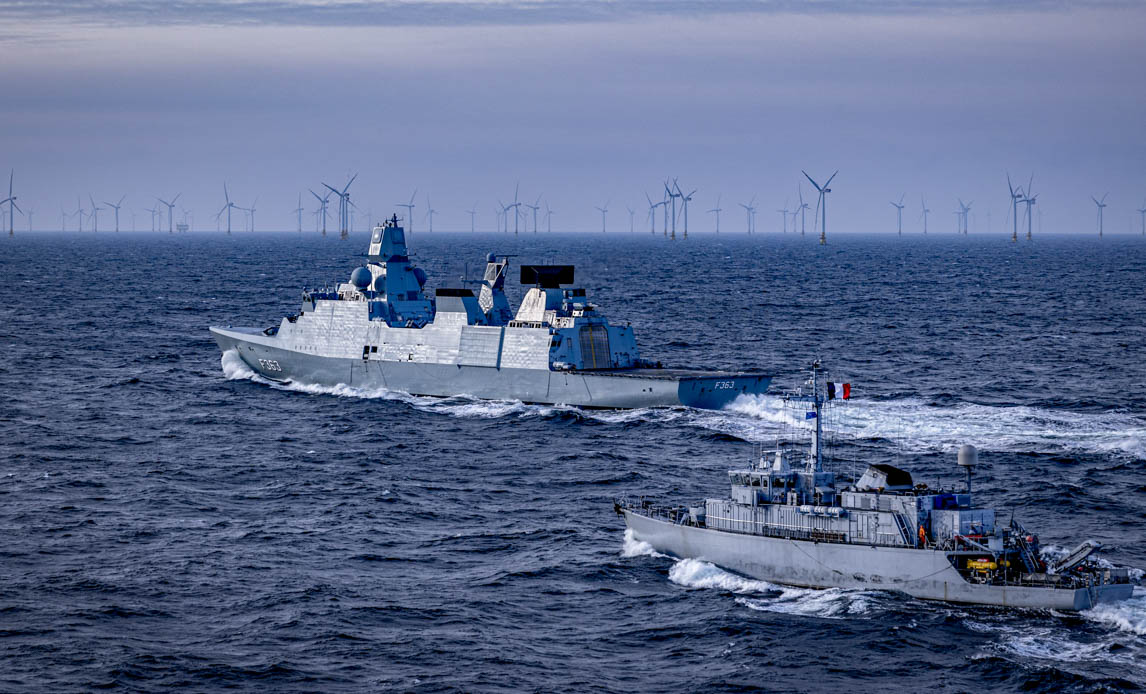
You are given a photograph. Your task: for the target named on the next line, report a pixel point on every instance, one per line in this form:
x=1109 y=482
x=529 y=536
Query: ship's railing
x=784 y=531
x=678 y=515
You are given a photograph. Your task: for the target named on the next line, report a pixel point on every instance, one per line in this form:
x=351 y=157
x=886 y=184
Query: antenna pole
x=817 y=406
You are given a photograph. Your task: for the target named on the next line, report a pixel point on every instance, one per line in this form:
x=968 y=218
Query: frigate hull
x=614 y=389
x=920 y=573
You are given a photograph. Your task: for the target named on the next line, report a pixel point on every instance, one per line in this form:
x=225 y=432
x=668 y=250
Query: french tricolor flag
x=844 y=390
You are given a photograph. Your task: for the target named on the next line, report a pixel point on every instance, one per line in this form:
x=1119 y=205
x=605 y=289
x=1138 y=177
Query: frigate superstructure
x=381 y=330
x=787 y=522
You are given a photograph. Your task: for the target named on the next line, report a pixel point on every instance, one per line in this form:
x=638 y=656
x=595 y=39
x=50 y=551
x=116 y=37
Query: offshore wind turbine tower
x=821 y=204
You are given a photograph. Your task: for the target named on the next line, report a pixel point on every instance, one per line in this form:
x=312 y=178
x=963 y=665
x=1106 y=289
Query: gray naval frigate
x=788 y=523
x=380 y=330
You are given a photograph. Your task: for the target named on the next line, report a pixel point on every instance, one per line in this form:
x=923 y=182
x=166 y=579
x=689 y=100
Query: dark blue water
x=164 y=523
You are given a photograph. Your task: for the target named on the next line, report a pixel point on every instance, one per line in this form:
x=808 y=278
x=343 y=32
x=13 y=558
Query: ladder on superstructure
x=903 y=531
x=1025 y=551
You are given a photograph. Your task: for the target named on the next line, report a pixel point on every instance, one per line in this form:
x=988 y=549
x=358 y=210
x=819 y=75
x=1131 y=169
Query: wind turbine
x=80 y=212
x=822 y=204
x=115 y=206
x=964 y=214
x=535 y=207
x=749 y=210
x=322 y=200
x=298 y=210
x=548 y=218
x=473 y=215
x=899 y=213
x=11 y=202
x=227 y=207
x=95 y=214
x=343 y=206
x=673 y=196
x=170 y=207
x=1016 y=195
x=251 y=210
x=1101 y=204
x=430 y=213
x=153 y=210
x=784 y=217
x=1141 y=212
x=499 y=213
x=515 y=206
x=716 y=210
x=632 y=218
x=1030 y=200
x=685 y=199
x=31 y=211
x=603 y=210
x=923 y=204
x=652 y=213
x=803 y=208
x=63 y=220
x=409 y=213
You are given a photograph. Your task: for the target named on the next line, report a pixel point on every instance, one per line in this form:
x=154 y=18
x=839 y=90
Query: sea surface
x=168 y=520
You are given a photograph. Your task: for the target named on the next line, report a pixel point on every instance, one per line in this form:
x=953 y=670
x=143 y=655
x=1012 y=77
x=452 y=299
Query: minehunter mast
x=816 y=460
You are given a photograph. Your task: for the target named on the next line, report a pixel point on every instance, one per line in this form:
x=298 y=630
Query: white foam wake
x=234 y=368
x=832 y=603
x=693 y=573
x=762 y=418
x=633 y=547
x=918 y=425
x=1128 y=616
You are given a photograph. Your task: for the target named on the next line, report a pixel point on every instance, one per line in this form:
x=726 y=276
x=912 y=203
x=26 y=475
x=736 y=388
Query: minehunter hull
x=617 y=389
x=923 y=574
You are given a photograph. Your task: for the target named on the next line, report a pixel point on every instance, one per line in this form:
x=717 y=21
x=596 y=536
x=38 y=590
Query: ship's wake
x=235 y=369
x=917 y=425
x=633 y=547
x=1108 y=633
x=910 y=422
x=761 y=596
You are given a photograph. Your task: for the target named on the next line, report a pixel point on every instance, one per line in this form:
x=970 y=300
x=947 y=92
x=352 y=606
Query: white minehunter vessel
x=787 y=523
x=381 y=331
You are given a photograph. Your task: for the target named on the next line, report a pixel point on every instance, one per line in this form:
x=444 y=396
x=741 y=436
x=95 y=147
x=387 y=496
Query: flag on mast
x=843 y=389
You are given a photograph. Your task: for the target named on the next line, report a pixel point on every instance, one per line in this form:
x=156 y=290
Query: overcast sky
x=583 y=103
